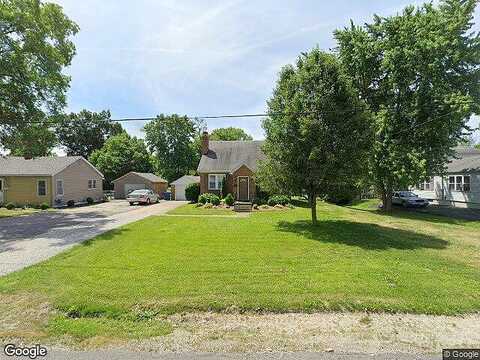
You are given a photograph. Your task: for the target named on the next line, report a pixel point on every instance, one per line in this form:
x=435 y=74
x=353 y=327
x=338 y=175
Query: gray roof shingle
x=227 y=156
x=468 y=160
x=186 y=179
x=147 y=176
x=150 y=177
x=44 y=166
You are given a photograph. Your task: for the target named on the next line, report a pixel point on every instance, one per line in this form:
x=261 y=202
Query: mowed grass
x=16 y=212
x=355 y=259
x=193 y=209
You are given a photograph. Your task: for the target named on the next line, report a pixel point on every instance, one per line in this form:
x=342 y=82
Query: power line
x=255 y=115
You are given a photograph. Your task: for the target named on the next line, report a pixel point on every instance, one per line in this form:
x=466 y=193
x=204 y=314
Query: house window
x=42 y=188
x=459 y=183
x=60 y=187
x=428 y=185
x=92 y=184
x=215 y=181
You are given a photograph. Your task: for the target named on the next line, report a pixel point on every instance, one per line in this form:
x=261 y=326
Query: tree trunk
x=313 y=206
x=387 y=200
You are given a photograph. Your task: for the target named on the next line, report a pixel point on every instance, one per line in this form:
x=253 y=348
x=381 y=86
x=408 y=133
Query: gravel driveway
x=27 y=240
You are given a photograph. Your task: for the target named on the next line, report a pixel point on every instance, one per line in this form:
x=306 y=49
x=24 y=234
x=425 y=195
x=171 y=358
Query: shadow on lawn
x=366 y=236
x=108 y=235
x=434 y=214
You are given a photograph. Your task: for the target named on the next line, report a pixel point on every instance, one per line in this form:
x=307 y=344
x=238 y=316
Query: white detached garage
x=179 y=185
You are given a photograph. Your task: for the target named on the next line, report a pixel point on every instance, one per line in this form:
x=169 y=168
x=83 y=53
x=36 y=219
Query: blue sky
x=145 y=57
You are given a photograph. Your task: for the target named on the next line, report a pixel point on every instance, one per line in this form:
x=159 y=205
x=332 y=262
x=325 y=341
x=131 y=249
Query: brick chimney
x=205 y=142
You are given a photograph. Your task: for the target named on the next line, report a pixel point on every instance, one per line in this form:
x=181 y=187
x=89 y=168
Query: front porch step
x=242 y=206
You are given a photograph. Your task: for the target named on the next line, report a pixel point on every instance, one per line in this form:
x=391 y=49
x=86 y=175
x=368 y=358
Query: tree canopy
x=419 y=73
x=35 y=46
x=230 y=134
x=174 y=141
x=317 y=131
x=82 y=133
x=120 y=155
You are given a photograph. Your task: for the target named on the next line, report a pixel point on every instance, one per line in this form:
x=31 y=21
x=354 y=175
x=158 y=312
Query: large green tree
x=120 y=155
x=317 y=131
x=35 y=46
x=82 y=133
x=419 y=73
x=229 y=134
x=174 y=141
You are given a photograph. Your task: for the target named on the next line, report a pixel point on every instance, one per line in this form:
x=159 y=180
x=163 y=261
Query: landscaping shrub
x=342 y=194
x=192 y=192
x=10 y=206
x=89 y=201
x=261 y=197
x=229 y=200
x=278 y=200
x=70 y=203
x=44 y=206
x=209 y=198
x=224 y=187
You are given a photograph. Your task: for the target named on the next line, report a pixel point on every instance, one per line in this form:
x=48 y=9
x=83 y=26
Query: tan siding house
x=51 y=180
x=79 y=182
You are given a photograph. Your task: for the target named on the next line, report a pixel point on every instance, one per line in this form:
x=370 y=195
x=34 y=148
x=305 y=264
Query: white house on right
x=460 y=185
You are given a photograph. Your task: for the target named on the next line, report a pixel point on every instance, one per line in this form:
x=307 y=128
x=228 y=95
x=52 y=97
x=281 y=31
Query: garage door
x=180 y=192
x=130 y=187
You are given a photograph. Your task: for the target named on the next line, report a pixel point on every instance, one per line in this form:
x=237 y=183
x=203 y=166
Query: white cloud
x=197 y=57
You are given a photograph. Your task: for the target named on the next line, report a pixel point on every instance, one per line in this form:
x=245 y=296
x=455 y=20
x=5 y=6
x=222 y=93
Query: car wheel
x=148 y=201
x=131 y=204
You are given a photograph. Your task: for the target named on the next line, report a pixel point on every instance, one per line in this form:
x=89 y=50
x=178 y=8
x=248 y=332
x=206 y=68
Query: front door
x=243 y=191
x=2 y=187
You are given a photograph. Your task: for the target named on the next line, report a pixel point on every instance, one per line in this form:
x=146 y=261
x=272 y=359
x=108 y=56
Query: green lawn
x=16 y=212
x=192 y=209
x=356 y=259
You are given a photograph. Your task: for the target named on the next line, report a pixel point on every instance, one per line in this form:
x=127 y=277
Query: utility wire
x=256 y=115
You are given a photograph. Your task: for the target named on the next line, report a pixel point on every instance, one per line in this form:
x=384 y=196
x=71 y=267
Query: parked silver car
x=408 y=199
x=143 y=196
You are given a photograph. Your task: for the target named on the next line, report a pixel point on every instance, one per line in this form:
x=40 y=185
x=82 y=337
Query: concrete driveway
x=27 y=240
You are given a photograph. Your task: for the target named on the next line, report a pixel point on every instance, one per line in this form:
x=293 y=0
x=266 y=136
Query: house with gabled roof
x=460 y=184
x=53 y=180
x=230 y=167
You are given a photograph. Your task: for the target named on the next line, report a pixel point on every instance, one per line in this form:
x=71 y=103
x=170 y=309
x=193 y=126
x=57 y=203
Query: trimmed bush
x=192 y=192
x=70 y=203
x=44 y=206
x=10 y=206
x=278 y=200
x=229 y=200
x=342 y=195
x=262 y=197
x=89 y=201
x=209 y=198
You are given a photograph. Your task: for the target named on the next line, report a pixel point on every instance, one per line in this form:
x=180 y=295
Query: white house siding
x=454 y=198
x=75 y=183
